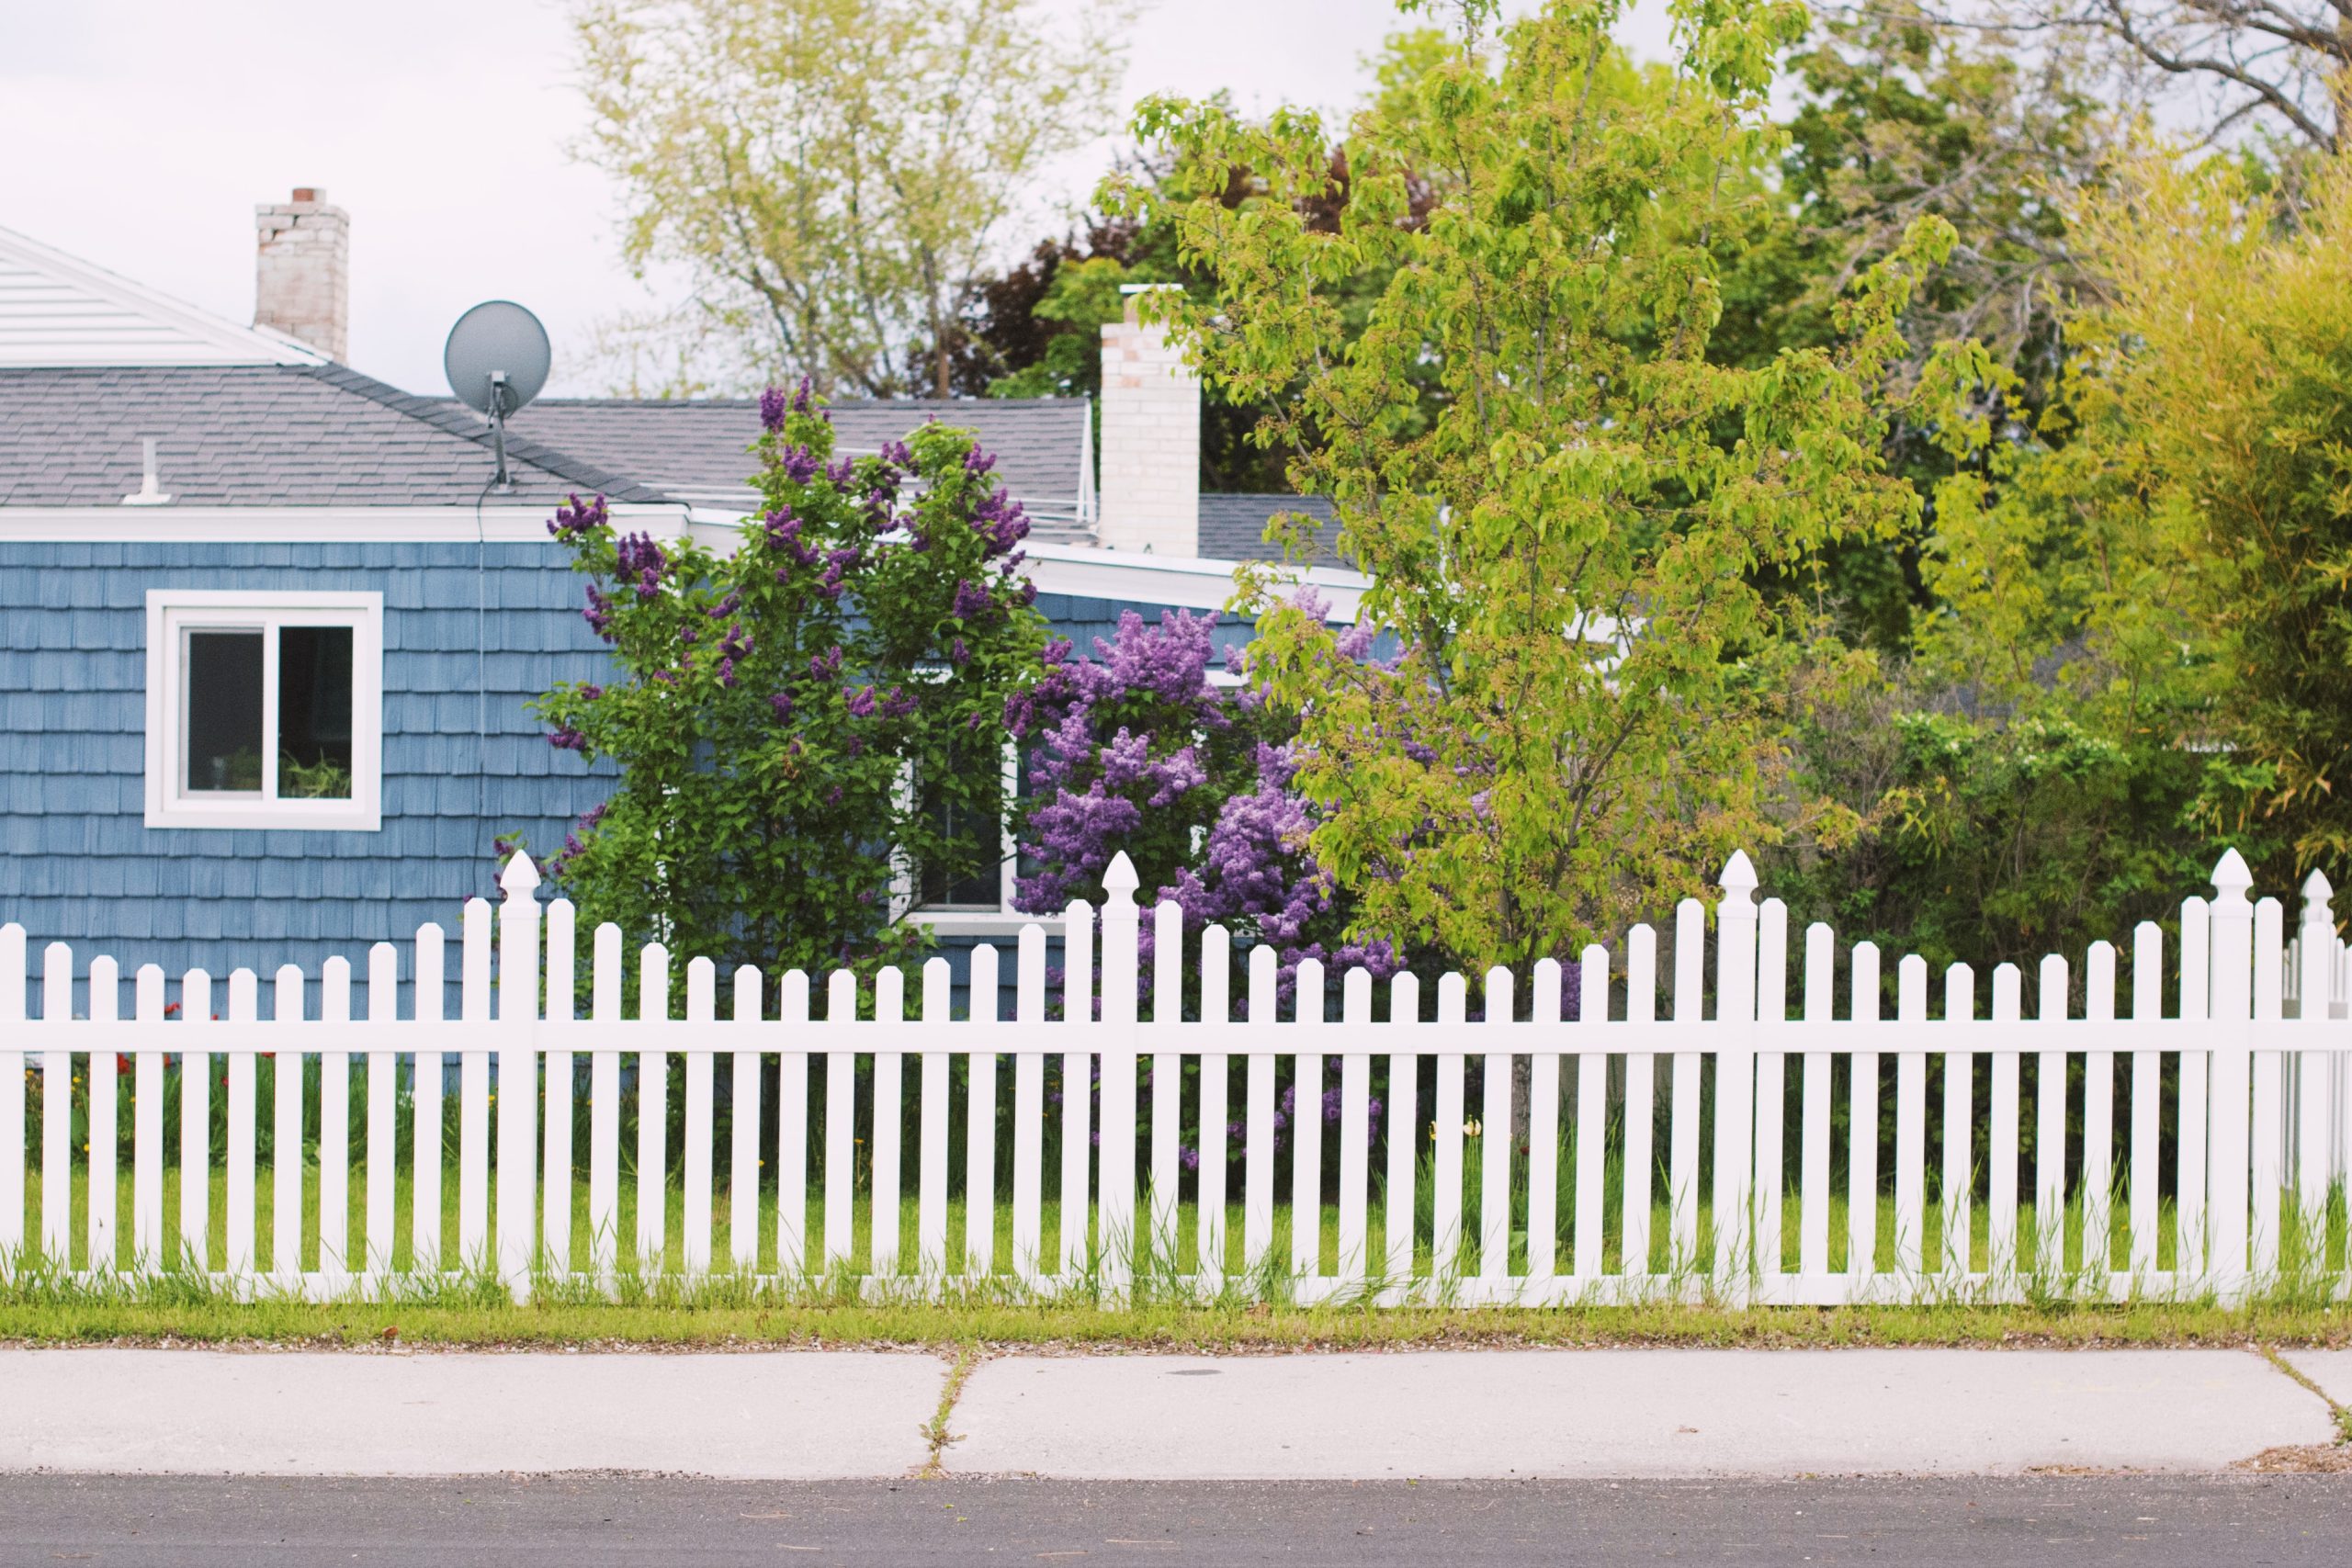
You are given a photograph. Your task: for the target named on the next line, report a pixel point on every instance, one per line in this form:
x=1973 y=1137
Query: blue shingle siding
x=78 y=863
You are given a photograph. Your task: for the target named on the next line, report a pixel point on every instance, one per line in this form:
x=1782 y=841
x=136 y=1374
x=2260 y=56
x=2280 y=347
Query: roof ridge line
x=442 y=414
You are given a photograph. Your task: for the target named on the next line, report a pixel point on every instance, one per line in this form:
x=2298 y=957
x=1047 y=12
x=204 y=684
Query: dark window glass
x=980 y=833
x=314 y=712
x=224 y=711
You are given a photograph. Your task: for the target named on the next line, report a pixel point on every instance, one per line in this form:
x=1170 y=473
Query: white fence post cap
x=1739 y=878
x=520 y=876
x=2231 y=876
x=1119 y=879
x=2317 y=891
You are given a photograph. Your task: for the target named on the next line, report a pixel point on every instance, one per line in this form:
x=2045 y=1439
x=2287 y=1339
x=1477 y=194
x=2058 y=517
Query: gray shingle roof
x=696 y=450
x=263 y=436
x=326 y=435
x=1233 y=527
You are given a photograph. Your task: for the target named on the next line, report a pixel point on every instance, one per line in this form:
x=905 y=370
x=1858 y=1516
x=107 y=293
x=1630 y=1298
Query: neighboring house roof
x=263 y=436
x=1233 y=527
x=56 y=310
x=696 y=450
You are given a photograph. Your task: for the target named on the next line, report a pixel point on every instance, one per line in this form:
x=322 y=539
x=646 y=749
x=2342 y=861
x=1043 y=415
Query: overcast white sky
x=141 y=133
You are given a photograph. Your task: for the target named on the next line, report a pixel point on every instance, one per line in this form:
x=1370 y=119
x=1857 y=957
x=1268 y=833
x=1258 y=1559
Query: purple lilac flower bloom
x=971 y=601
x=861 y=702
x=577 y=518
x=567 y=739
x=772 y=408
x=899 y=704
x=782 y=703
x=826 y=665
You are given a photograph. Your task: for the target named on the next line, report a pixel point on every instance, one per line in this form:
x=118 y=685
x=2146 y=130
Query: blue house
x=266 y=631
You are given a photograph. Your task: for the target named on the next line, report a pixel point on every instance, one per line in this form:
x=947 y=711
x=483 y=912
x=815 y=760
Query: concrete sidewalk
x=801 y=1414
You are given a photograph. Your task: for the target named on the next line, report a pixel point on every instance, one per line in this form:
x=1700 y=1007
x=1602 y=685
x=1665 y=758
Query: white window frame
x=1002 y=920
x=172 y=613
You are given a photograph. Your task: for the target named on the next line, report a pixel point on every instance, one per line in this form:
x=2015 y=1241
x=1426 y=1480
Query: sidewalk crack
x=935 y=1431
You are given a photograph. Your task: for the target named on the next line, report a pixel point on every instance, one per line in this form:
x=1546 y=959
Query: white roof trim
x=57 y=312
x=1081 y=571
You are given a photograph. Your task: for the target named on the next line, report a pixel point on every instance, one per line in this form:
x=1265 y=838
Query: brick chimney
x=1151 y=440
x=303 y=278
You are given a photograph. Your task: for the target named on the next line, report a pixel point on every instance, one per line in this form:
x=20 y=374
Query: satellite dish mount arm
x=500 y=395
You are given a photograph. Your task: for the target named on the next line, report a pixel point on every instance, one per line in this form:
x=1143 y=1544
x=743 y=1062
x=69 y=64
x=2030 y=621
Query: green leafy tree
x=829 y=174
x=810 y=724
x=1567 y=547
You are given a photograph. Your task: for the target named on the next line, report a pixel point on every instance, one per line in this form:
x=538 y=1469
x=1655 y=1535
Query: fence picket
x=605 y=990
x=1258 y=1121
x=2192 y=1251
x=1216 y=1082
x=2049 y=1126
x=840 y=1123
x=2228 y=1152
x=518 y=1074
x=1592 y=1115
x=889 y=1007
x=1029 y=1106
x=1077 y=1007
x=1862 y=1127
x=2267 y=1152
x=1960 y=1125
x=195 y=1123
x=102 y=1194
x=1735 y=1113
x=2315 y=1069
x=1115 y=1209
x=792 y=1129
x=1641 y=1068
x=1445 y=1178
x=2147 y=1100
x=147 y=1127
x=473 y=1090
x=1167 y=1076
x=1398 y=1204
x=930 y=1161
x=2099 y=1120
x=1812 y=1126
x=1495 y=1133
x=428 y=1143
x=1544 y=1130
x=695 y=1155
x=57 y=1113
x=562 y=1088
x=979 y=1126
x=1911 y=1118
x=1772 y=1085
x=743 y=1182
x=652 y=1237
x=1683 y=1111
x=245 y=1009
x=2001 y=1215
x=286 y=1137
x=335 y=1122
x=1306 y=1126
x=1355 y=1127
x=383 y=1108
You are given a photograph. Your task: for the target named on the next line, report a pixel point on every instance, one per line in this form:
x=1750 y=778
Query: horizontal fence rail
x=2164 y=1124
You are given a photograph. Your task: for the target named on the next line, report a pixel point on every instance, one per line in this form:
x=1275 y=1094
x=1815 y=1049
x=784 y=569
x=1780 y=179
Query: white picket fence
x=2260 y=1119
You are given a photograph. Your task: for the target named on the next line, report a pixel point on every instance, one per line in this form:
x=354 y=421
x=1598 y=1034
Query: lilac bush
x=1137 y=749
x=767 y=704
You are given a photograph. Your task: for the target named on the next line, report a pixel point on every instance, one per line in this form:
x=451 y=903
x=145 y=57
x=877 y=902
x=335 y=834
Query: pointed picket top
x=2317 y=892
x=1120 y=881
x=1739 y=879
x=520 y=877
x=2231 y=877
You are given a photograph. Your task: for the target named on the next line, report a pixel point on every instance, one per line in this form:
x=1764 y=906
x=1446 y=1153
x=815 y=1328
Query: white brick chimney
x=302 y=279
x=1151 y=440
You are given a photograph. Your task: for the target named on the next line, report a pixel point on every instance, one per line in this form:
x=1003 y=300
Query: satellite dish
x=497 y=360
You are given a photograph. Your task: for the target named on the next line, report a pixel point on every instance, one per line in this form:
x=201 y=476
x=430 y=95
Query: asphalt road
x=585 y=1521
